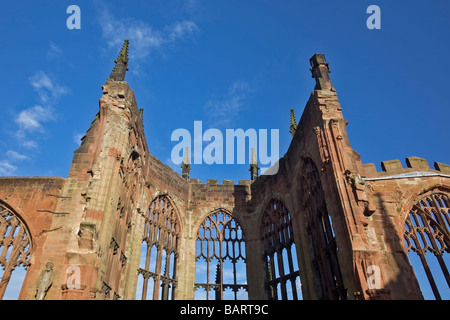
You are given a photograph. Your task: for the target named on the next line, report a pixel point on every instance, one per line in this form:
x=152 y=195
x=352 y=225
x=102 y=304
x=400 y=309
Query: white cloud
x=222 y=110
x=180 y=30
x=32 y=118
x=29 y=144
x=143 y=38
x=6 y=168
x=48 y=92
x=54 y=51
x=13 y=155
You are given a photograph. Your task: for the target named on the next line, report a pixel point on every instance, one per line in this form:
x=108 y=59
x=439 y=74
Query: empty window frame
x=427 y=234
x=159 y=251
x=280 y=257
x=220 y=259
x=15 y=247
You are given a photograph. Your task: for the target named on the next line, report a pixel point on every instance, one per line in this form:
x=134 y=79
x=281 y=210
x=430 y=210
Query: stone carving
x=45 y=281
x=86 y=239
x=323 y=146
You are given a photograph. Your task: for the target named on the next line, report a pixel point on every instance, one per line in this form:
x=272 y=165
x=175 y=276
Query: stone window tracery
x=220 y=259
x=427 y=233
x=282 y=272
x=159 y=251
x=15 y=246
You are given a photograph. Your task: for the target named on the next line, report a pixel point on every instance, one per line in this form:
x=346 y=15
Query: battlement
x=395 y=167
x=213 y=182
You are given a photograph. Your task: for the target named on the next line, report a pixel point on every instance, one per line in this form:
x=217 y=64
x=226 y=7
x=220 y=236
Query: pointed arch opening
x=220 y=268
x=427 y=241
x=279 y=253
x=15 y=249
x=159 y=251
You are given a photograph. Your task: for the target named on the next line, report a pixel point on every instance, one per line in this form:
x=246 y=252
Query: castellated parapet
x=413 y=164
x=123 y=225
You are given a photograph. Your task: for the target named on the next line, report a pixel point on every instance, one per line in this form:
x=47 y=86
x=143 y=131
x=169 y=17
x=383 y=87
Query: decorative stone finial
x=253 y=166
x=320 y=71
x=293 y=126
x=185 y=166
x=121 y=67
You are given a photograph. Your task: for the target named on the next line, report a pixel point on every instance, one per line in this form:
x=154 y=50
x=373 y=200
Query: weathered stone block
x=392 y=166
x=417 y=163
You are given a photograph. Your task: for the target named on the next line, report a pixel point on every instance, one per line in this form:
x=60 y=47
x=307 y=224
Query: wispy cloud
x=144 y=39
x=6 y=168
x=31 y=121
x=53 y=51
x=48 y=91
x=15 y=156
x=179 y=30
x=223 y=109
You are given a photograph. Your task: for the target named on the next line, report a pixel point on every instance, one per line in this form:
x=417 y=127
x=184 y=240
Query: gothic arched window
x=15 y=246
x=427 y=234
x=159 y=250
x=319 y=228
x=220 y=269
x=282 y=275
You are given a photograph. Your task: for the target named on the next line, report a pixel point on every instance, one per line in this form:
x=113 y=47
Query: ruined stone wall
x=33 y=200
x=90 y=225
x=320 y=138
x=392 y=192
x=100 y=204
x=203 y=200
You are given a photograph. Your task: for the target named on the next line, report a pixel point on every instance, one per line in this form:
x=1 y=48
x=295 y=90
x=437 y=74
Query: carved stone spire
x=293 y=126
x=185 y=166
x=320 y=71
x=253 y=166
x=121 y=67
x=218 y=282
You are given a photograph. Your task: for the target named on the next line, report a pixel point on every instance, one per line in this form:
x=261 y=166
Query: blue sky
x=230 y=64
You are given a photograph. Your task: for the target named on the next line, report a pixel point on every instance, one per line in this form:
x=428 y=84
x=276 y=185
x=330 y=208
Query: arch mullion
x=220 y=274
x=430 y=277
x=4 y=280
x=439 y=212
x=292 y=272
x=282 y=275
x=165 y=289
x=443 y=268
x=273 y=278
x=157 y=285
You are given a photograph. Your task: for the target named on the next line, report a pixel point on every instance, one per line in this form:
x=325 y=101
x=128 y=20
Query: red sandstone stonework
x=90 y=224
